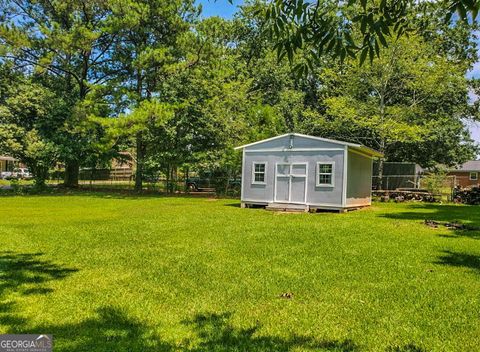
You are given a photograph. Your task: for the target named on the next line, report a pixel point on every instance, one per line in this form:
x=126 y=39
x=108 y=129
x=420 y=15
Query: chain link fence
x=393 y=182
x=124 y=179
x=419 y=182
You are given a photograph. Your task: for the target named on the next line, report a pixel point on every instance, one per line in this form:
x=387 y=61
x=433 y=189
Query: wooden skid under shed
x=289 y=207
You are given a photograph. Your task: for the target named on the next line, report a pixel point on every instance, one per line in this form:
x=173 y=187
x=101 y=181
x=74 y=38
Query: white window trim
x=476 y=176
x=299 y=175
x=317 y=174
x=264 y=173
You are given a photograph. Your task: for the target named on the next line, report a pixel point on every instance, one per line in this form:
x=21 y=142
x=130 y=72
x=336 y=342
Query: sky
x=225 y=9
x=221 y=8
x=474 y=126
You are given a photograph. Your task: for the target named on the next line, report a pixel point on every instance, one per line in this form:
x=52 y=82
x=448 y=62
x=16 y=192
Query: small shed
x=296 y=171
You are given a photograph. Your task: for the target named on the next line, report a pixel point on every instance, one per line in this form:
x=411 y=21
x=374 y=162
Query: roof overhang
x=7 y=158
x=463 y=170
x=298 y=135
x=367 y=151
x=357 y=147
x=469 y=166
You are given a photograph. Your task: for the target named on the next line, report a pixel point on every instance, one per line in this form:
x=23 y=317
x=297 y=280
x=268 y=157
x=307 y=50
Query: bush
x=15 y=185
x=434 y=181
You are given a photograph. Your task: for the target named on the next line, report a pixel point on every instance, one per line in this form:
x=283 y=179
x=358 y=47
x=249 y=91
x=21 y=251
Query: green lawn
x=116 y=273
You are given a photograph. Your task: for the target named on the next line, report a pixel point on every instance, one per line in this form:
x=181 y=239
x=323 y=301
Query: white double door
x=290 y=183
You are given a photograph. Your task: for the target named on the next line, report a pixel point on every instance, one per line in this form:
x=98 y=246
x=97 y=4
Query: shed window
x=259 y=170
x=473 y=176
x=325 y=174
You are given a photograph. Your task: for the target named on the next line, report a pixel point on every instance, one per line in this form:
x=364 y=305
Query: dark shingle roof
x=472 y=165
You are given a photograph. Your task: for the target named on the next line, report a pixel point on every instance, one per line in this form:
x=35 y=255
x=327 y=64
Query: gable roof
x=358 y=147
x=472 y=165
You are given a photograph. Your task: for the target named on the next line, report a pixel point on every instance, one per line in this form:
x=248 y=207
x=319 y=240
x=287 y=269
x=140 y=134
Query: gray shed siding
x=277 y=151
x=315 y=195
x=297 y=142
x=359 y=176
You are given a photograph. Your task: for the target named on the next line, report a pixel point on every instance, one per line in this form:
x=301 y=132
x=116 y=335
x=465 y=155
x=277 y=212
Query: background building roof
x=7 y=158
x=472 y=165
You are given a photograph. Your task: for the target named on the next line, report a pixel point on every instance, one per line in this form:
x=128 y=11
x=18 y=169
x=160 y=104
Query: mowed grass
x=112 y=273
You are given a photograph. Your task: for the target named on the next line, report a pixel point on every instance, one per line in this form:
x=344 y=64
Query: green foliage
x=179 y=92
x=25 y=108
x=39 y=155
x=151 y=47
x=435 y=181
x=15 y=185
x=67 y=45
x=408 y=104
x=351 y=28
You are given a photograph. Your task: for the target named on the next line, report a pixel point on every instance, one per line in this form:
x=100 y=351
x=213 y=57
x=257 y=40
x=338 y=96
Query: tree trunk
x=92 y=174
x=381 y=162
x=41 y=177
x=72 y=171
x=382 y=138
x=170 y=178
x=380 y=174
x=140 y=156
x=167 y=184
x=72 y=167
x=39 y=173
x=174 y=179
x=227 y=181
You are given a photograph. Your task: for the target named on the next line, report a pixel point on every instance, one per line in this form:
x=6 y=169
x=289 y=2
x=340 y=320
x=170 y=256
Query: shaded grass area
x=446 y=213
x=120 y=273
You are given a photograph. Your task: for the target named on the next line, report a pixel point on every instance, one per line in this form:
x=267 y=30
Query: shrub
x=435 y=181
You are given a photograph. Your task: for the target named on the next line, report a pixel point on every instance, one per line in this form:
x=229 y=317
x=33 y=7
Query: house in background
x=123 y=166
x=466 y=175
x=6 y=163
x=295 y=171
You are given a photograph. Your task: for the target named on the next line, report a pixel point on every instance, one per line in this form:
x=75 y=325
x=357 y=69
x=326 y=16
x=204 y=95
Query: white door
x=282 y=183
x=291 y=183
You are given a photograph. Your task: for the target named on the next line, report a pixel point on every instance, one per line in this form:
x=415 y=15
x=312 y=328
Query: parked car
x=23 y=173
x=6 y=175
x=16 y=174
x=196 y=184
